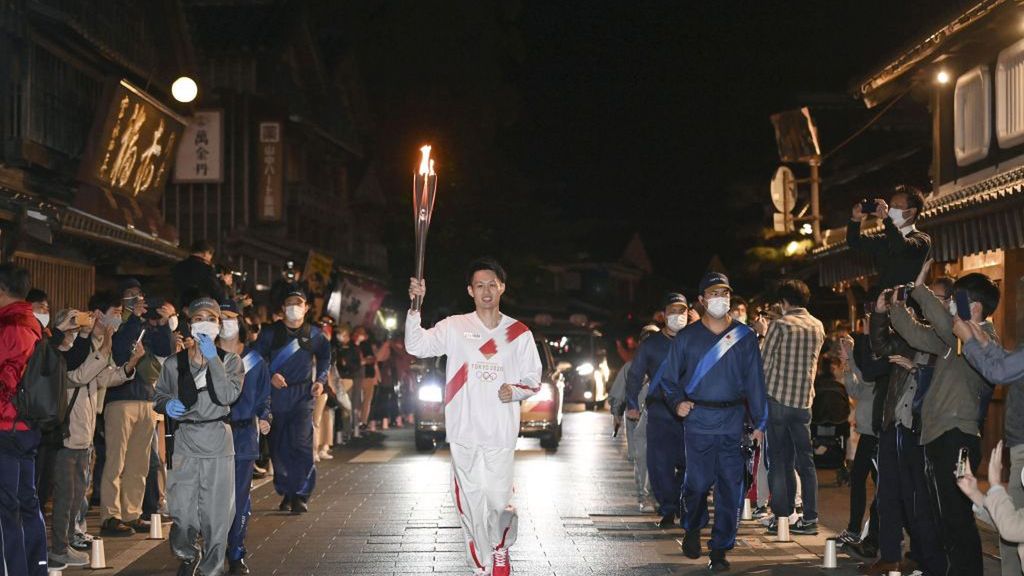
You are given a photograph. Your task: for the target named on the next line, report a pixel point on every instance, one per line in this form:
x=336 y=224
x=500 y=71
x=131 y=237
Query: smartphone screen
x=963 y=305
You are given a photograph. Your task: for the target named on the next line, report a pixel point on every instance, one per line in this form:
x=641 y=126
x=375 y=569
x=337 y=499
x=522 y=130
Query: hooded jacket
x=19 y=332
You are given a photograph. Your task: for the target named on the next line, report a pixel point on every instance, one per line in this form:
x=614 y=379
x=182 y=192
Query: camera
x=963 y=462
x=868 y=206
x=903 y=291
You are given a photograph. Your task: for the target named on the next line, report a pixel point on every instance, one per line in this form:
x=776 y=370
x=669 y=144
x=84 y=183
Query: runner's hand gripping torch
x=424 y=190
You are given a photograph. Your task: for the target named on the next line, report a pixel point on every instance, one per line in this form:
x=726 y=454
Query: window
x=1010 y=96
x=972 y=107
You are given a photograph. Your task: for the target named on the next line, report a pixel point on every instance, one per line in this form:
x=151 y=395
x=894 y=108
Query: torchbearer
x=197 y=387
x=493 y=364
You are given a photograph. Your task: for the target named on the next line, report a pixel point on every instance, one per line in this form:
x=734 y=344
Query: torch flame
x=426 y=164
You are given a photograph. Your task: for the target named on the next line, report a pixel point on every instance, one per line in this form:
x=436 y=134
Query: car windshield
x=572 y=348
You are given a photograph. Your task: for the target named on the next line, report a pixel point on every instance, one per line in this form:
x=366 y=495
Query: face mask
x=112 y=320
x=172 y=323
x=897 y=217
x=742 y=318
x=209 y=328
x=718 y=307
x=676 y=322
x=294 y=313
x=952 y=307
x=229 y=329
x=44 y=319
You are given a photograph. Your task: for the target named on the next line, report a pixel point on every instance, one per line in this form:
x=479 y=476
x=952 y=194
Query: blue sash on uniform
x=716 y=353
x=251 y=360
x=283 y=355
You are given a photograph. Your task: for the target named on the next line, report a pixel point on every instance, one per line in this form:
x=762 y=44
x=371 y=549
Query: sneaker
x=772 y=525
x=804 y=527
x=502 y=564
x=718 y=563
x=846 y=538
x=81 y=542
x=667 y=521
x=54 y=566
x=864 y=549
x=299 y=505
x=760 y=512
x=768 y=520
x=139 y=525
x=114 y=527
x=70 y=558
x=286 y=504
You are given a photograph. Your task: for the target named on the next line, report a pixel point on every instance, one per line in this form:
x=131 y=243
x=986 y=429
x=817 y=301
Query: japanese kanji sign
x=201 y=152
x=269 y=166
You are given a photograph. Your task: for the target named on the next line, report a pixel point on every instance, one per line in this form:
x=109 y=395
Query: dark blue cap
x=127 y=284
x=296 y=290
x=714 y=280
x=674 y=298
x=229 y=306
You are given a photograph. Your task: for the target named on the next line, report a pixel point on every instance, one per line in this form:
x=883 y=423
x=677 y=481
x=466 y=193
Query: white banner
x=201 y=153
x=357 y=301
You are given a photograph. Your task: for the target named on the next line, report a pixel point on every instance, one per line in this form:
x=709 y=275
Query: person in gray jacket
x=196 y=388
x=999 y=366
x=951 y=407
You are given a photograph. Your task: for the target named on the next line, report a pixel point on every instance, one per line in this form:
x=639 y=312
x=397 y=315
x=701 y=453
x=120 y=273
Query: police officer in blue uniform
x=292 y=349
x=715 y=378
x=250 y=417
x=666 y=459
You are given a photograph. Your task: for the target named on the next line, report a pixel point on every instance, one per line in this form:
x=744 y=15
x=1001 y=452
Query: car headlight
x=546 y=393
x=585 y=369
x=430 y=394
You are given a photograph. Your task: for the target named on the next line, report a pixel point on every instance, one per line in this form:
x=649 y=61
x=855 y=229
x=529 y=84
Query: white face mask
x=897 y=217
x=44 y=319
x=211 y=329
x=229 y=329
x=172 y=323
x=717 y=307
x=112 y=320
x=742 y=318
x=294 y=313
x=676 y=322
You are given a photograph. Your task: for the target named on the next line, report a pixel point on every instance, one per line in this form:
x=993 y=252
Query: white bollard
x=55 y=573
x=895 y=573
x=156 y=527
x=830 y=554
x=783 y=529
x=748 y=514
x=99 y=557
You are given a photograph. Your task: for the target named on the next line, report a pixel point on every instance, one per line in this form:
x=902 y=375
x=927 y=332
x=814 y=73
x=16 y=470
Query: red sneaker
x=502 y=563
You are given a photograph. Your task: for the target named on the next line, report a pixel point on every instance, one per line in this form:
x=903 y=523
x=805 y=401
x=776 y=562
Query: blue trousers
x=243 y=509
x=666 y=457
x=713 y=460
x=291 y=449
x=21 y=522
x=788 y=441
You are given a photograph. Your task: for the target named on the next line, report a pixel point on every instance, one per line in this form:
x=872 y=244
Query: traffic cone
x=783 y=529
x=748 y=514
x=156 y=527
x=830 y=554
x=99 y=557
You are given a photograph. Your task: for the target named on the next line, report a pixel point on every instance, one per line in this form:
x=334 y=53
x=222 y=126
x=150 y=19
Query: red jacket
x=19 y=332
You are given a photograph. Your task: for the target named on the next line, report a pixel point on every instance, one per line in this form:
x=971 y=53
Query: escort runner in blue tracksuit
x=293 y=348
x=666 y=457
x=250 y=416
x=714 y=375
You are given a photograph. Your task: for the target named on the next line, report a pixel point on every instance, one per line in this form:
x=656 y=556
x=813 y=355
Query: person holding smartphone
x=898 y=251
x=949 y=412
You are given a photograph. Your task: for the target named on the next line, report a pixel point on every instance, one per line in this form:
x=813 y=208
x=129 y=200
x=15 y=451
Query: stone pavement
x=382 y=509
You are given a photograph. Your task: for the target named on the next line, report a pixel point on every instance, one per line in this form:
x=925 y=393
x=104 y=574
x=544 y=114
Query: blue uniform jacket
x=649 y=356
x=738 y=374
x=158 y=341
x=297 y=370
x=253 y=402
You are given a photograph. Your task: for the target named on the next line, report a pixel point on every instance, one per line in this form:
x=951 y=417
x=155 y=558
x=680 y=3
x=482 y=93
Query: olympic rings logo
x=486 y=376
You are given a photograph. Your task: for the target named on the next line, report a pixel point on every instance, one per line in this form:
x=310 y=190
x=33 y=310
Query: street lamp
x=942 y=77
x=792 y=248
x=184 y=90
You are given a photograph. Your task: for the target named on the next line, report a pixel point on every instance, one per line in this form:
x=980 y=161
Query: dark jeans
x=864 y=464
x=21 y=521
x=790 y=453
x=904 y=502
x=956 y=517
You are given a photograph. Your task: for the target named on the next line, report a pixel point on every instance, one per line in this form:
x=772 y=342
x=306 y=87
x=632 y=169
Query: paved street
x=383 y=509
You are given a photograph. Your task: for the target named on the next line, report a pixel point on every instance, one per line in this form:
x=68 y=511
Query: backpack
x=41 y=397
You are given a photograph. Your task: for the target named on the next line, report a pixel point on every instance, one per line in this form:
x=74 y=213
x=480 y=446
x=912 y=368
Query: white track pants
x=482 y=490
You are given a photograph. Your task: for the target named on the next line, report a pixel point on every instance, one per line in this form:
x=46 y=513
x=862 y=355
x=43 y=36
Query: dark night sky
x=564 y=124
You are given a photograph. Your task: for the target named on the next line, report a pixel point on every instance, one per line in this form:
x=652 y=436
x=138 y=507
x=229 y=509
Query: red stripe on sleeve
x=515 y=331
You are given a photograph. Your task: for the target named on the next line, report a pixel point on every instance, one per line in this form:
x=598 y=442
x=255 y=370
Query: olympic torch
x=424 y=191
